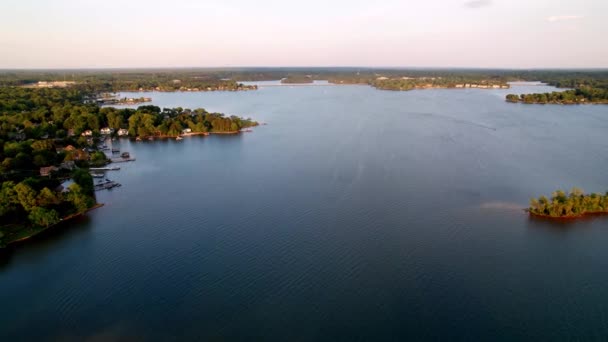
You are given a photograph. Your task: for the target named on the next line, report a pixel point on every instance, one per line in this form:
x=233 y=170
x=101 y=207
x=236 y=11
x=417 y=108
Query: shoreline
x=559 y=103
x=567 y=218
x=183 y=135
x=39 y=230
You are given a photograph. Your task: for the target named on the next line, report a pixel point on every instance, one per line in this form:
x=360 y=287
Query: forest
x=409 y=83
x=41 y=132
x=294 y=79
x=566 y=205
x=574 y=96
x=125 y=80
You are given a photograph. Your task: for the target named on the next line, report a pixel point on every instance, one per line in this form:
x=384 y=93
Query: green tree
x=43 y=217
x=26 y=196
x=46 y=198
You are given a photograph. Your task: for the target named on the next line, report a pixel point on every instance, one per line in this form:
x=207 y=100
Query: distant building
x=186 y=131
x=53 y=84
x=87 y=133
x=382 y=78
x=68 y=165
x=123 y=132
x=106 y=131
x=46 y=171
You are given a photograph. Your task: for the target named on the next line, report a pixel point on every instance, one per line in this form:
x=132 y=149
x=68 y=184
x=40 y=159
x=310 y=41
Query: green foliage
x=84 y=180
x=43 y=217
x=575 y=203
x=575 y=96
x=26 y=196
x=98 y=156
x=410 y=83
x=8 y=198
x=79 y=198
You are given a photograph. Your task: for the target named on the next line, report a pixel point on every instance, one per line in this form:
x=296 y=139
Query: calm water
x=355 y=214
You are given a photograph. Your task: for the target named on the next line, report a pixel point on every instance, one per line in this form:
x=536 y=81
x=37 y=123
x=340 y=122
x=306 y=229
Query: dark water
x=355 y=214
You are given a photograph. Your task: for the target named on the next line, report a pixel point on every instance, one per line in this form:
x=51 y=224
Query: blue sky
x=182 y=33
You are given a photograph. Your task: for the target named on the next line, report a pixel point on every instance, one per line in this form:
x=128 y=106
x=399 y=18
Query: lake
x=355 y=214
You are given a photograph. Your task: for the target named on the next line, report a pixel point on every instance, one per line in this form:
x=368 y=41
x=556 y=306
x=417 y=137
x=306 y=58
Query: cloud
x=555 y=18
x=477 y=3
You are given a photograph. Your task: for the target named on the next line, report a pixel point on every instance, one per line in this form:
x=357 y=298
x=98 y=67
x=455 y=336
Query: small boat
x=125 y=155
x=138 y=139
x=97 y=175
x=150 y=138
x=179 y=138
x=115 y=150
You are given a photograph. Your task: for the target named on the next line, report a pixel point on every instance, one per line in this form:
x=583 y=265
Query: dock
x=122 y=160
x=106 y=185
x=113 y=168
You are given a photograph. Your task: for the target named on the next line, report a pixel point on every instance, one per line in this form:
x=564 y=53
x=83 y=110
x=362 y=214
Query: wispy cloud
x=477 y=3
x=555 y=18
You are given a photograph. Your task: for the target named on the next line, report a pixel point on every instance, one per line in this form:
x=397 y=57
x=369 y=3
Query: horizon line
x=2 y=69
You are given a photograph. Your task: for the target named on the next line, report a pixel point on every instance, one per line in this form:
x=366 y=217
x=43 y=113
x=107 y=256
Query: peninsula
x=574 y=96
x=52 y=134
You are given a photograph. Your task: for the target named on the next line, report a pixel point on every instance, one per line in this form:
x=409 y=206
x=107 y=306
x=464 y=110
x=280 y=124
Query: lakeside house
x=46 y=170
x=106 y=131
x=123 y=132
x=87 y=133
x=186 y=131
x=68 y=165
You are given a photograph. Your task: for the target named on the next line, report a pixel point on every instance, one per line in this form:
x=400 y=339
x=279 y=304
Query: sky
x=237 y=33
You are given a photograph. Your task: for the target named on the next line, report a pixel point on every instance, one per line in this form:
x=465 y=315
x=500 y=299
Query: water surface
x=355 y=214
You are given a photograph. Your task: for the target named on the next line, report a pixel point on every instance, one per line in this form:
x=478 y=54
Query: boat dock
x=113 y=168
x=108 y=184
x=122 y=160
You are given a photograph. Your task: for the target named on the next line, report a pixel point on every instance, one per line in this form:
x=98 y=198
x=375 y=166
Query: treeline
x=147 y=121
x=125 y=80
x=409 y=83
x=112 y=80
x=575 y=96
x=293 y=79
x=574 y=204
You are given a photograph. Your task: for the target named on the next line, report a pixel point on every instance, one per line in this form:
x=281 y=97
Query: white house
x=106 y=131
x=186 y=131
x=87 y=133
x=123 y=132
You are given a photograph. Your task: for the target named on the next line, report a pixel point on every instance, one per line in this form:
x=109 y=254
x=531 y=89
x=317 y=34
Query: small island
x=297 y=79
x=566 y=97
x=566 y=206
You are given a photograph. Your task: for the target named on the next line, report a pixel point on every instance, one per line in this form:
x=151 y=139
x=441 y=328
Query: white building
x=123 y=132
x=87 y=133
x=106 y=130
x=186 y=131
